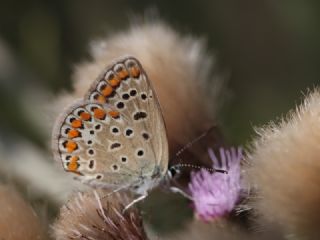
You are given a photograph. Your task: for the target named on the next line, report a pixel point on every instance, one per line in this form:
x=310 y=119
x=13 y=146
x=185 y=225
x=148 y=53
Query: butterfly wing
x=116 y=135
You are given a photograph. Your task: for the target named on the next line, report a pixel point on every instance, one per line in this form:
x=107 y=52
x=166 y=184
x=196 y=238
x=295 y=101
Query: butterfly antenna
x=175 y=168
x=186 y=165
x=189 y=144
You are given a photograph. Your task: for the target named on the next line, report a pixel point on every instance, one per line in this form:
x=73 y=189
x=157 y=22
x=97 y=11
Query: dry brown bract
x=17 y=219
x=95 y=216
x=285 y=167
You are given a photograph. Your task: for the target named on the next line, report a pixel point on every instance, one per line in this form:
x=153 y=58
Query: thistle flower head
x=216 y=194
x=284 y=168
x=17 y=219
x=93 y=215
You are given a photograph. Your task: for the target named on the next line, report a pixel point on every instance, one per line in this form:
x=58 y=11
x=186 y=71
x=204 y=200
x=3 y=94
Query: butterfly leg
x=114 y=191
x=134 y=202
x=178 y=190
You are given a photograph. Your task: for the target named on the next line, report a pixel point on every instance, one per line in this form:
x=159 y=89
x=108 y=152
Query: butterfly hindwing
x=116 y=135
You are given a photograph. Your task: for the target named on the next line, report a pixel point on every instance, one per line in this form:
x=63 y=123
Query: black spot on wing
x=139 y=115
x=115 y=145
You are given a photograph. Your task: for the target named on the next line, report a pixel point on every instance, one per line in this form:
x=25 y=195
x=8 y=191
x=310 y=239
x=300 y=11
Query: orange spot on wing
x=71 y=146
x=76 y=123
x=123 y=74
x=107 y=91
x=114 y=113
x=101 y=99
x=99 y=113
x=73 y=164
x=74 y=159
x=73 y=133
x=135 y=72
x=85 y=116
x=114 y=82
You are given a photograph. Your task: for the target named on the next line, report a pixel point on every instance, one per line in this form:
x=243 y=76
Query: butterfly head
x=174 y=172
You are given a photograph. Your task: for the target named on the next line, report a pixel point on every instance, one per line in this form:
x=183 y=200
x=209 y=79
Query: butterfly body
x=115 y=136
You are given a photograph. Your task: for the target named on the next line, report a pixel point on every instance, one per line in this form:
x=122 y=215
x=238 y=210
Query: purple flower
x=216 y=194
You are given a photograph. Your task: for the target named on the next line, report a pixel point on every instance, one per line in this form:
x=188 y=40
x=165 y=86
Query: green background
x=269 y=49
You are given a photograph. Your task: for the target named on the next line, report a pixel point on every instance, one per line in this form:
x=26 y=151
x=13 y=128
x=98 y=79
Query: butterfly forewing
x=116 y=135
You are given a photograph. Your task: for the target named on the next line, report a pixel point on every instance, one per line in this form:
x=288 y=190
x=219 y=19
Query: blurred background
x=268 y=51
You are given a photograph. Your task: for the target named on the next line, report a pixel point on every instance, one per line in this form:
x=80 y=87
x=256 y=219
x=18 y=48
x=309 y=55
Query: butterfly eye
x=173 y=172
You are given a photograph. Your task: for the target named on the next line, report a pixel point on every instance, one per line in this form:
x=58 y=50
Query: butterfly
x=115 y=137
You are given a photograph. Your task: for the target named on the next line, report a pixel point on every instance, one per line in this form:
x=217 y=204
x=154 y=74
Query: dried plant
x=219 y=229
x=17 y=219
x=98 y=215
x=284 y=168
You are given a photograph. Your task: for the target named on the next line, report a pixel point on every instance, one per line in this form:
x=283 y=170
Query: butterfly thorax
x=144 y=185
x=148 y=182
